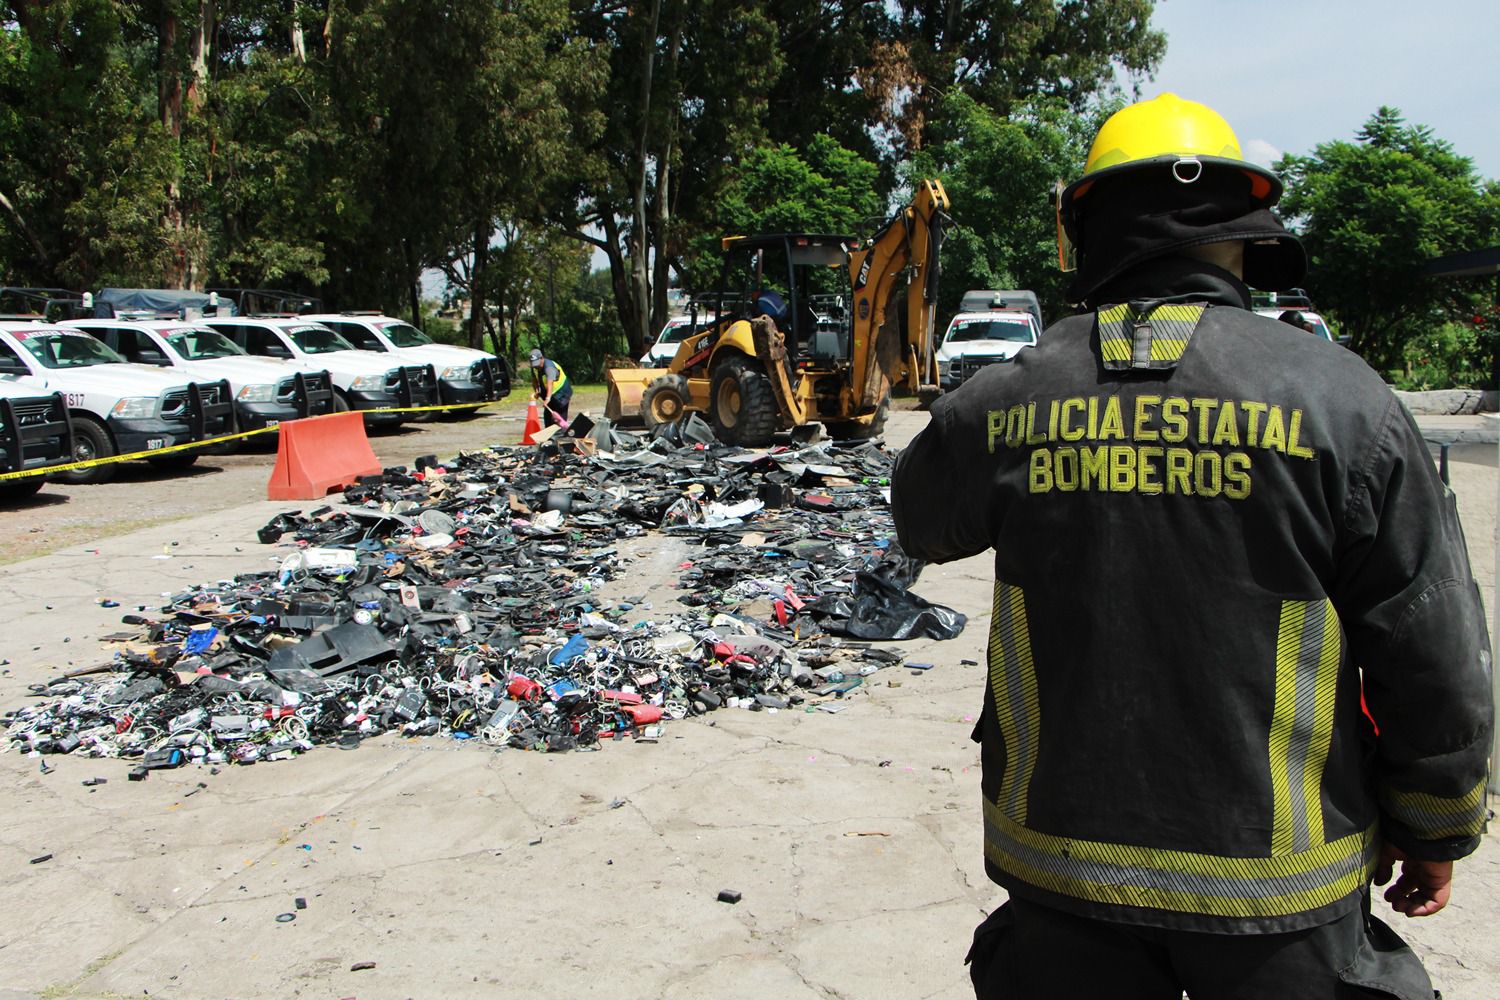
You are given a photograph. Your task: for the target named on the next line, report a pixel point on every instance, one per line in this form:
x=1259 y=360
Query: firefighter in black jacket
x=1212 y=534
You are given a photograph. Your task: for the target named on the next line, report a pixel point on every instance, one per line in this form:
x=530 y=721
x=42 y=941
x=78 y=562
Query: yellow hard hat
x=1171 y=134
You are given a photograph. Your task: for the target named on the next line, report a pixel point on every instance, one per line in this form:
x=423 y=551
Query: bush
x=1454 y=356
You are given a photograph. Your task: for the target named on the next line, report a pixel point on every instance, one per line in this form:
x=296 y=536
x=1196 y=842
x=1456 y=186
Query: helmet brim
x=1265 y=186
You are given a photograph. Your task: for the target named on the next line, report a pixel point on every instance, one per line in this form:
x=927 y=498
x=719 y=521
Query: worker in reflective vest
x=550 y=385
x=1212 y=533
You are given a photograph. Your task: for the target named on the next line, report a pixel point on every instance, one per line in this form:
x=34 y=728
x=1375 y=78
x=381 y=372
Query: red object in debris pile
x=624 y=697
x=642 y=715
x=523 y=688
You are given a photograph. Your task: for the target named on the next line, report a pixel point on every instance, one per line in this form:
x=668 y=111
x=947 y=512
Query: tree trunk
x=168 y=79
x=297 y=38
x=414 y=278
x=42 y=257
x=200 y=41
x=619 y=283
x=640 y=242
x=177 y=267
x=663 y=208
x=477 y=317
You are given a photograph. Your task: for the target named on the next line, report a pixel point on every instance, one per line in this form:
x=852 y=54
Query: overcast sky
x=1289 y=75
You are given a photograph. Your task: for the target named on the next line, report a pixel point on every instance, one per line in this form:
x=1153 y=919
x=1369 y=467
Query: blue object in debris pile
x=558 y=689
x=199 y=639
x=575 y=646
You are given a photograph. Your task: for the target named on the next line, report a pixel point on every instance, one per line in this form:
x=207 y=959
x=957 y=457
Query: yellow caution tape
x=135 y=456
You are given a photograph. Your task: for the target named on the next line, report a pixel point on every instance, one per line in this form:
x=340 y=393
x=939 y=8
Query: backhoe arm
x=908 y=243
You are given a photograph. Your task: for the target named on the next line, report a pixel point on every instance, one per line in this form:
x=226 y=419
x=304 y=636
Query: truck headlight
x=457 y=372
x=366 y=383
x=135 y=408
x=256 y=394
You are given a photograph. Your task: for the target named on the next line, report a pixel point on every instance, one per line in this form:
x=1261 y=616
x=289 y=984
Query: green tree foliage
x=1371 y=214
x=86 y=163
x=829 y=189
x=342 y=148
x=1002 y=52
x=999 y=172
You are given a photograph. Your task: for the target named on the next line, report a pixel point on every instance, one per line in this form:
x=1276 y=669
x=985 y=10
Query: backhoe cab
x=798 y=332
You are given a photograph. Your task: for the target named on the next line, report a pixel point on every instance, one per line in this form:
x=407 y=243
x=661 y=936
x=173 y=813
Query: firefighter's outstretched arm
x=940 y=493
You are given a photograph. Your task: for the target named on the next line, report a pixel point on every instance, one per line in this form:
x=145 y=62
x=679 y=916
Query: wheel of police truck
x=850 y=430
x=664 y=401
x=340 y=402
x=744 y=410
x=90 y=441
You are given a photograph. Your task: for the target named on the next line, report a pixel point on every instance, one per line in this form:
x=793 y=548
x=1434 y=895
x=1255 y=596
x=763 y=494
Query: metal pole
x=1494 y=784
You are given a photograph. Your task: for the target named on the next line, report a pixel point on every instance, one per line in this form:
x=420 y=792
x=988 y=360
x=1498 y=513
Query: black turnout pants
x=1026 y=951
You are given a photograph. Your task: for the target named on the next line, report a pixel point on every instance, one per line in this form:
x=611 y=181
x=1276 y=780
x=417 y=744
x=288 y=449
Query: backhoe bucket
x=623 y=404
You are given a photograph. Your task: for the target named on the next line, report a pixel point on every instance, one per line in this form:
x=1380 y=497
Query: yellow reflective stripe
x=1167 y=350
x=1163 y=335
x=1433 y=816
x=1330 y=657
x=1180 y=881
x=1013 y=687
x=1170 y=313
x=1309 y=649
x=1114 y=342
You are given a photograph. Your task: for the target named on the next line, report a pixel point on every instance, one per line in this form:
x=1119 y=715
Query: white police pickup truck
x=267 y=391
x=34 y=433
x=116 y=407
x=464 y=374
x=976 y=339
x=661 y=353
x=361 y=380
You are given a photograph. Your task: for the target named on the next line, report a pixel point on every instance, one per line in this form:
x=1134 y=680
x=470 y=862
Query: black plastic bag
x=878 y=609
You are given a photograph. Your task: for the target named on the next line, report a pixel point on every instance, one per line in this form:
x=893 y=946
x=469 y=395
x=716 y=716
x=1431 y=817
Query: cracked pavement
x=464 y=872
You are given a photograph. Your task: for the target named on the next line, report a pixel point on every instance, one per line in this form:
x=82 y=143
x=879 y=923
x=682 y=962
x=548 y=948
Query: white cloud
x=1262 y=152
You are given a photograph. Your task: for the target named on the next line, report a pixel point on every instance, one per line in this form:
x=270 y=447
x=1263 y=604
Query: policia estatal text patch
x=1154 y=444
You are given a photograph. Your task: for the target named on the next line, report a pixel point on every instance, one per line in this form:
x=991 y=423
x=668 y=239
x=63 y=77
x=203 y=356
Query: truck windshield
x=673 y=332
x=405 y=335
x=69 y=350
x=202 y=345
x=318 y=340
x=1017 y=331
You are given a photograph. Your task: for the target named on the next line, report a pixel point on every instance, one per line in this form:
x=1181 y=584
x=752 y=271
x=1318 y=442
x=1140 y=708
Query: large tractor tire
x=744 y=409
x=665 y=401
x=90 y=440
x=851 y=430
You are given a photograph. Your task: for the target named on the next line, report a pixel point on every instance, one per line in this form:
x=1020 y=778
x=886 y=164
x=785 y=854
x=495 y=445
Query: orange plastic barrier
x=319 y=454
x=533 y=424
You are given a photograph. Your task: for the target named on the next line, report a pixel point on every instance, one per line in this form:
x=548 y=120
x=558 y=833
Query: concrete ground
x=854 y=838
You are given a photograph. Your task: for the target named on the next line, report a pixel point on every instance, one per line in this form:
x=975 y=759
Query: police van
x=116 y=407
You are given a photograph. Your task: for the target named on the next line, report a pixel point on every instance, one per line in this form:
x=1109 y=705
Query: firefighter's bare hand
x=1421 y=889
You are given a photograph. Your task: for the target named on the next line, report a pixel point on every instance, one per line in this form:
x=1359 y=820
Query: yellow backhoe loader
x=798 y=332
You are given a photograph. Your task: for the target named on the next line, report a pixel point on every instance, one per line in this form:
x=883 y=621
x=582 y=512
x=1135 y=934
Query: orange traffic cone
x=533 y=424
